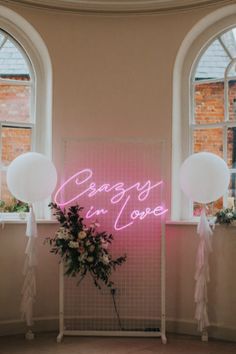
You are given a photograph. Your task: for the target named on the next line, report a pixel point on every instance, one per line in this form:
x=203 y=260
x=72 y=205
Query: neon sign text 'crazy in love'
x=118 y=195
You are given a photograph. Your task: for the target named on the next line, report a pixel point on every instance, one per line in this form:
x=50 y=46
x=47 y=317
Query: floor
x=46 y=343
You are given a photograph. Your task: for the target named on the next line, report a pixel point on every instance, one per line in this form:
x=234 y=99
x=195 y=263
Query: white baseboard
x=41 y=324
x=183 y=326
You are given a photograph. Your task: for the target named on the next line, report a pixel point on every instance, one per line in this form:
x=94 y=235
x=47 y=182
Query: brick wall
x=15 y=141
x=209 y=108
x=15 y=102
x=209 y=99
x=14 y=107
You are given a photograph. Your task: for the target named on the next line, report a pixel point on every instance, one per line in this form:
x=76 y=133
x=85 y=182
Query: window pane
x=213 y=62
x=232 y=190
x=209 y=140
x=209 y=103
x=2 y=38
x=231 y=147
x=8 y=203
x=12 y=62
x=15 y=103
x=218 y=205
x=228 y=38
x=16 y=97
x=5 y=194
x=232 y=71
x=232 y=99
x=211 y=210
x=15 y=141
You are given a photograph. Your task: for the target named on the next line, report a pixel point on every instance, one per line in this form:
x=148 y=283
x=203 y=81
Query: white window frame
x=191 y=49
x=224 y=125
x=31 y=124
x=34 y=47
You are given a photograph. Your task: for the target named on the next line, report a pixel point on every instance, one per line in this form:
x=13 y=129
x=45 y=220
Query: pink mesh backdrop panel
x=120 y=184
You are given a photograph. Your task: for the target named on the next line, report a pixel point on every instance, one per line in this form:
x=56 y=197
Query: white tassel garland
x=202 y=276
x=29 y=285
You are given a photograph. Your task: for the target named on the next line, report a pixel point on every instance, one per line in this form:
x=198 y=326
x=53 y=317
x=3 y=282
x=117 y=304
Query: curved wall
x=112 y=77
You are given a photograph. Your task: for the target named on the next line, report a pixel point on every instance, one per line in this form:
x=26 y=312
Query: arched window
x=204 y=102
x=17 y=107
x=213 y=114
x=25 y=99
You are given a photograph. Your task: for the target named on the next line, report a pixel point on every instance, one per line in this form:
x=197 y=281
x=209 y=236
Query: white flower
x=105 y=259
x=63 y=233
x=82 y=235
x=91 y=248
x=94 y=225
x=73 y=244
x=229 y=215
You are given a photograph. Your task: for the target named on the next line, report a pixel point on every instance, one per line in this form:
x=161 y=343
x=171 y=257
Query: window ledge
x=22 y=217
x=19 y=221
x=181 y=222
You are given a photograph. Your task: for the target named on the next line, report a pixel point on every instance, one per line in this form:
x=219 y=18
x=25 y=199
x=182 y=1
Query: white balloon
x=31 y=177
x=204 y=177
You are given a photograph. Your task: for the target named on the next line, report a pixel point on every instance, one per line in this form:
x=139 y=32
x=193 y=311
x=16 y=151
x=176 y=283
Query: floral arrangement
x=84 y=250
x=13 y=206
x=225 y=216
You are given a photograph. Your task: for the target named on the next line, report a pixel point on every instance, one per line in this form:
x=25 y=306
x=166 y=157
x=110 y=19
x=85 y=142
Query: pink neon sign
x=118 y=194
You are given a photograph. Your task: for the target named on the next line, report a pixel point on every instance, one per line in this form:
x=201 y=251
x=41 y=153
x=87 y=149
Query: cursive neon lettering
x=157 y=211
x=116 y=225
x=81 y=184
x=145 y=190
x=120 y=187
x=91 y=212
x=87 y=172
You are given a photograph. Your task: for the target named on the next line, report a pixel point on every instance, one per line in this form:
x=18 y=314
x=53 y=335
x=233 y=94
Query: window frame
x=193 y=45
x=39 y=62
x=226 y=123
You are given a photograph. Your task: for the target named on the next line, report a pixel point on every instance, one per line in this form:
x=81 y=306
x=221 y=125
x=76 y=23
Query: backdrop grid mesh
x=138 y=280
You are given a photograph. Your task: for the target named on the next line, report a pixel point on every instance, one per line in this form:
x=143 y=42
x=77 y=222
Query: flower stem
x=113 y=295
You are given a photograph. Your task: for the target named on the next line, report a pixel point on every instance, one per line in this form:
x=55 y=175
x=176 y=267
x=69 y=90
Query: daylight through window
x=16 y=112
x=213 y=119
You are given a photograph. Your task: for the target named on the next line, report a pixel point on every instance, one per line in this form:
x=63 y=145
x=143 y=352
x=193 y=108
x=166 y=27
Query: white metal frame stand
x=162 y=333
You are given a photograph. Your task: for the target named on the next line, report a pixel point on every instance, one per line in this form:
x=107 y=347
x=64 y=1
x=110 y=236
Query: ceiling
x=119 y=6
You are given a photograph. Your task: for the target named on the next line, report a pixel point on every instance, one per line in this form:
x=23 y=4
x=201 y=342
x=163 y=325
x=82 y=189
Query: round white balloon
x=204 y=177
x=31 y=177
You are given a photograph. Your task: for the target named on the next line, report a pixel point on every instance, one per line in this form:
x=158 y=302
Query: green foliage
x=14 y=206
x=225 y=216
x=83 y=249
